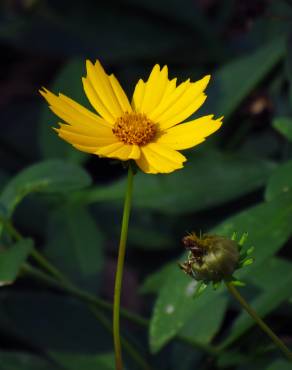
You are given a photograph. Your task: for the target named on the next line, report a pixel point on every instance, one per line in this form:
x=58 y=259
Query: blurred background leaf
x=49 y=143
x=24 y=361
x=52 y=176
x=239 y=180
x=284 y=126
x=76 y=245
x=11 y=260
x=280 y=181
x=234 y=176
x=236 y=80
x=279 y=365
x=72 y=361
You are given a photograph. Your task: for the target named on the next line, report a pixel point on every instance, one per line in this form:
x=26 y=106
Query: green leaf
x=52 y=176
x=75 y=245
x=279 y=365
x=234 y=176
x=236 y=80
x=275 y=278
x=280 y=181
x=77 y=361
x=203 y=326
x=69 y=83
x=268 y=226
x=228 y=359
x=267 y=273
x=154 y=281
x=175 y=306
x=24 y=361
x=11 y=260
x=284 y=126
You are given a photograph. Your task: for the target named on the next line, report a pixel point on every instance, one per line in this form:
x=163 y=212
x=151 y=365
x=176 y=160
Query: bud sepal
x=213 y=258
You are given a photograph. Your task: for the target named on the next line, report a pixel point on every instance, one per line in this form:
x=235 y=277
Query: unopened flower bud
x=212 y=258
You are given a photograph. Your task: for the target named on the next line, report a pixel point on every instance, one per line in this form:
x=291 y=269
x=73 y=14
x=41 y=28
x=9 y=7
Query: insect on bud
x=211 y=258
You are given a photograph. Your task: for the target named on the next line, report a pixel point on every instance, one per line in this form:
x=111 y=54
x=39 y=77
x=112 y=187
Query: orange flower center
x=134 y=128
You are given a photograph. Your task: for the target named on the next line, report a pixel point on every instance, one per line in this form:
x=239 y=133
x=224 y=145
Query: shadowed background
x=239 y=180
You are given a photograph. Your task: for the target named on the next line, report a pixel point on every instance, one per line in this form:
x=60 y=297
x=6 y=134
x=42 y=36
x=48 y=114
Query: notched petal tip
x=88 y=63
x=164 y=70
x=98 y=63
x=58 y=130
x=218 y=122
x=43 y=91
x=156 y=67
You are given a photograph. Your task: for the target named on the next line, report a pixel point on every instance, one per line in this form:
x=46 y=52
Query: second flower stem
x=265 y=328
x=120 y=268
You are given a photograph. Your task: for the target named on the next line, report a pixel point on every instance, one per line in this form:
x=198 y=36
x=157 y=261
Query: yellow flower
x=147 y=130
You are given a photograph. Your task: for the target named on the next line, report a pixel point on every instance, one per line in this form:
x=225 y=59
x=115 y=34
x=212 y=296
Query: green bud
x=212 y=258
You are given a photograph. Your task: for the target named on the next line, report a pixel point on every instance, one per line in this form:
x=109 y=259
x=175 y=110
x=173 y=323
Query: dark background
x=246 y=46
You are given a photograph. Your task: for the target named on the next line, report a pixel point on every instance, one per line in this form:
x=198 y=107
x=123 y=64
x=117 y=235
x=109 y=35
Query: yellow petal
x=148 y=95
x=172 y=120
x=154 y=89
x=102 y=87
x=86 y=149
x=70 y=111
x=81 y=139
x=96 y=102
x=178 y=109
x=145 y=165
x=138 y=95
x=189 y=134
x=82 y=127
x=170 y=87
x=120 y=94
x=169 y=99
x=86 y=139
x=119 y=150
x=158 y=158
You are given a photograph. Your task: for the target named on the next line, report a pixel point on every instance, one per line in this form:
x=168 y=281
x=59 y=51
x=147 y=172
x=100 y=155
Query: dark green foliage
x=67 y=204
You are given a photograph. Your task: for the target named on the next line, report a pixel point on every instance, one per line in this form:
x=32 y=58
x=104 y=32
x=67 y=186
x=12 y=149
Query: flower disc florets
x=134 y=128
x=212 y=258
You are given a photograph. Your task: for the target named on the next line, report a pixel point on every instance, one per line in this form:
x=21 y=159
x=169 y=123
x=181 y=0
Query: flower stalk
x=264 y=327
x=120 y=269
x=212 y=259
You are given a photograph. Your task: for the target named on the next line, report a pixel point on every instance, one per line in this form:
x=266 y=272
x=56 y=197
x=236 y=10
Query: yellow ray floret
x=149 y=130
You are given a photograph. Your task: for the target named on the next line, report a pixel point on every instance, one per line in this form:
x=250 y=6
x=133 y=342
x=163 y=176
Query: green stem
x=94 y=304
x=61 y=282
x=86 y=297
x=120 y=268
x=36 y=255
x=47 y=266
x=265 y=328
x=125 y=343
x=38 y=275
x=10 y=229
